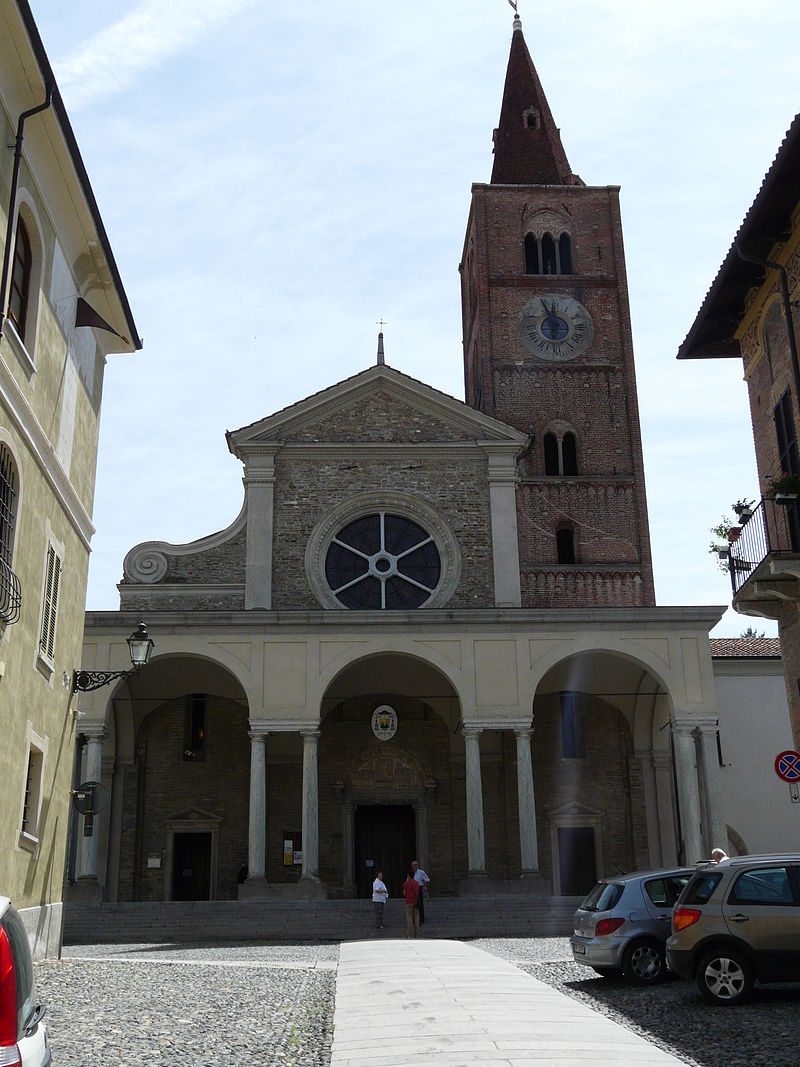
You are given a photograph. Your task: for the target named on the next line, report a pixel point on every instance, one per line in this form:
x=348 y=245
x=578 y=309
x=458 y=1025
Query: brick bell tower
x=548 y=349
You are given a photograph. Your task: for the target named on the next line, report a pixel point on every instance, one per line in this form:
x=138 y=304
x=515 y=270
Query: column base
x=311 y=888
x=477 y=884
x=532 y=882
x=85 y=891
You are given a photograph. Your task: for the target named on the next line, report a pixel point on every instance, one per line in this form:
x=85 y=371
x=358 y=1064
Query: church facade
x=431 y=631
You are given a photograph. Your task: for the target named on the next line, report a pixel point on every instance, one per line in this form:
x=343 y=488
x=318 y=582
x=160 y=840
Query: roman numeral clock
x=555 y=327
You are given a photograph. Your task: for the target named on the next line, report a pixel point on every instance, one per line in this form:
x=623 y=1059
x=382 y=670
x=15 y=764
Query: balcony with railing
x=764 y=560
x=10 y=594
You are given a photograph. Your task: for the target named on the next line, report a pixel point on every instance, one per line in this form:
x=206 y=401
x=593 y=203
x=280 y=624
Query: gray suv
x=624 y=921
x=738 y=922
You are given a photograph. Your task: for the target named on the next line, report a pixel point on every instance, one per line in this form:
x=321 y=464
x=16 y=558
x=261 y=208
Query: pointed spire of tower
x=380 y=344
x=527 y=144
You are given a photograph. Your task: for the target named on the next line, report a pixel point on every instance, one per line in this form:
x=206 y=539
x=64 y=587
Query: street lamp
x=140 y=644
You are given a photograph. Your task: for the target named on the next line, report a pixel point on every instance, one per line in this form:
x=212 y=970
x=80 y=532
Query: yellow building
x=63 y=311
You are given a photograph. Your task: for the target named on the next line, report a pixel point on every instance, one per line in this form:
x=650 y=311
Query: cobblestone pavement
x=761 y=1033
x=170 y=1004
x=197 y=1005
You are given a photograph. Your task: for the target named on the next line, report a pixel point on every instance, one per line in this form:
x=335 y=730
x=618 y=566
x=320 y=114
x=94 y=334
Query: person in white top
x=424 y=881
x=380 y=894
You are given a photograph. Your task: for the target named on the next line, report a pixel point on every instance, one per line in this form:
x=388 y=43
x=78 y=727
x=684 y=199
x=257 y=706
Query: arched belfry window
x=565 y=544
x=20 y=289
x=560 y=454
x=548 y=255
x=532 y=265
x=565 y=254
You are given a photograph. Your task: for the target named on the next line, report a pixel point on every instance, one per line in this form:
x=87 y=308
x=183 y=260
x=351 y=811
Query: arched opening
x=565 y=544
x=602 y=770
x=551 y=464
x=569 y=454
x=177 y=828
x=549 y=255
x=532 y=264
x=387 y=777
x=565 y=254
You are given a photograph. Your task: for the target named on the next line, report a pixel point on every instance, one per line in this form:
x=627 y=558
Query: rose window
x=382 y=561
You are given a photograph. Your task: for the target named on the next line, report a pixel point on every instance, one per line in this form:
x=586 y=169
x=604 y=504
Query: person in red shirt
x=411 y=893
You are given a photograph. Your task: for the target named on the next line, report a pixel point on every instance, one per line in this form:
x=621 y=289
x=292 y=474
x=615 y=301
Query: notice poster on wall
x=288 y=852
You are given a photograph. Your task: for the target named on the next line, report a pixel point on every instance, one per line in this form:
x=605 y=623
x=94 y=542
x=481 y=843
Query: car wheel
x=643 y=962
x=724 y=976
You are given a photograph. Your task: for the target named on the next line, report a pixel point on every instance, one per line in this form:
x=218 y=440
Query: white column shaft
x=476 y=858
x=257 y=830
x=528 y=838
x=310 y=806
x=688 y=793
x=712 y=780
x=87 y=848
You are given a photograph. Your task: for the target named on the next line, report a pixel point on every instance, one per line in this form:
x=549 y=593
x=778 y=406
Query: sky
x=275 y=179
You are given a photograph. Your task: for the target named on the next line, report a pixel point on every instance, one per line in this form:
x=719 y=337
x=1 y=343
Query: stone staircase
x=328 y=920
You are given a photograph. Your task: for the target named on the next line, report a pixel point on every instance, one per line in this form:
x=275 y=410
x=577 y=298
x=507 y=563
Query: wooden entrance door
x=191 y=866
x=576 y=862
x=385 y=840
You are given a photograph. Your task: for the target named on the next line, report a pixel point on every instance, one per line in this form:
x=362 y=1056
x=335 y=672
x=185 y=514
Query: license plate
x=579 y=950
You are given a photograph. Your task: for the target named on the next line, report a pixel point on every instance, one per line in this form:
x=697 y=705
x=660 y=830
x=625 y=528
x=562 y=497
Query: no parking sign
x=787 y=767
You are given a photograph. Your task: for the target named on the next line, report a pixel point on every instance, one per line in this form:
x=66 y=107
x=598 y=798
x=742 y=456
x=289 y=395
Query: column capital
x=93 y=731
x=708 y=724
x=310 y=734
x=258 y=735
x=523 y=733
x=685 y=727
x=471 y=731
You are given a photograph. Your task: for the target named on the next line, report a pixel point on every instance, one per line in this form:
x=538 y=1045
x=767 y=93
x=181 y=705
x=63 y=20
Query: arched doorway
x=178 y=825
x=390 y=776
x=602 y=770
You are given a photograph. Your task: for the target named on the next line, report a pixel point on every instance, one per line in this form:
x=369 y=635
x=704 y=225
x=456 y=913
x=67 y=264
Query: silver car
x=623 y=923
x=23 y=1036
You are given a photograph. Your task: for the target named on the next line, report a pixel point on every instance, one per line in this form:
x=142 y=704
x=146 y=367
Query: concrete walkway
x=424 y=1002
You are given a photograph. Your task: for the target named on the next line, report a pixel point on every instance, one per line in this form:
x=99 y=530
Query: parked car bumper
x=597 y=952
x=681 y=962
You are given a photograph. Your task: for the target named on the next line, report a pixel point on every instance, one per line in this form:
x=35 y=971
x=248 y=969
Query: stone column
x=662 y=769
x=476 y=859
x=259 y=489
x=528 y=838
x=651 y=810
x=257 y=839
x=88 y=887
x=717 y=830
x=502 y=474
x=688 y=790
x=310 y=827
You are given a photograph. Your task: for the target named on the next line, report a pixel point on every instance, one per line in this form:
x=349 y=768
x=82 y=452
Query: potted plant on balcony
x=784 y=490
x=743 y=510
x=721 y=546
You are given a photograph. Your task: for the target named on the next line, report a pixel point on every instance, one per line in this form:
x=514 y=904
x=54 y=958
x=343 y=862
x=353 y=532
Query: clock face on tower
x=555 y=327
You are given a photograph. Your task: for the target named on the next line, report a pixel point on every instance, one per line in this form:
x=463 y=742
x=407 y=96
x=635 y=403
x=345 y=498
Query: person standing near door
x=411 y=891
x=380 y=894
x=424 y=881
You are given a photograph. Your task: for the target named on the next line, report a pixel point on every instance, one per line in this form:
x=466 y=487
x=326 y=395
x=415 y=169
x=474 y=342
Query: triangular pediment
x=378 y=406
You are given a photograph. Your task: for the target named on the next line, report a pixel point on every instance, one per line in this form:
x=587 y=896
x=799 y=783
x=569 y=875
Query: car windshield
x=699 y=890
x=603 y=897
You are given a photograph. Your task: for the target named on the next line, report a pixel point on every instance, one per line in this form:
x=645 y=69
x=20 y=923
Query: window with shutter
x=50 y=604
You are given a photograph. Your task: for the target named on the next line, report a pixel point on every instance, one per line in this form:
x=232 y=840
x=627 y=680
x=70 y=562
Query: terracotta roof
x=527 y=154
x=745 y=647
x=767 y=221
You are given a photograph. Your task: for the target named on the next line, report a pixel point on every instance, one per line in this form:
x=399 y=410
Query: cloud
x=151 y=33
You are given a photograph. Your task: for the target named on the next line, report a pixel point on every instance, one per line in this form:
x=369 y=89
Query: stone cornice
x=29 y=427
x=167 y=589
x=516 y=621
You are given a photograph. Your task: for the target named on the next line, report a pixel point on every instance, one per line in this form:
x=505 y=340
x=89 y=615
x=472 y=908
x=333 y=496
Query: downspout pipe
x=12 y=202
x=787 y=309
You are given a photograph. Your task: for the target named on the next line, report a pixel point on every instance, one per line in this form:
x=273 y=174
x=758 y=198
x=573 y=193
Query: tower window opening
x=532 y=264
x=560 y=455
x=531 y=119
x=565 y=545
x=546 y=255
x=549 y=255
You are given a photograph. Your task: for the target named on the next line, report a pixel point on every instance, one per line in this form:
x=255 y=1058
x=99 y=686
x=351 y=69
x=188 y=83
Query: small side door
x=763 y=909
